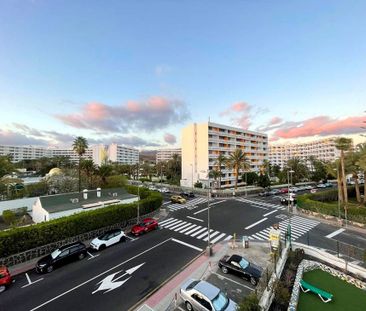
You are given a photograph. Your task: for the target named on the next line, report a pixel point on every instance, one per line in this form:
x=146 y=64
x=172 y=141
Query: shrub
x=20 y=239
x=9 y=217
x=250 y=303
x=198 y=184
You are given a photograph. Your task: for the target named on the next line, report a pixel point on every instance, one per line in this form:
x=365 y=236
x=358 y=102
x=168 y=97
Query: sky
x=136 y=72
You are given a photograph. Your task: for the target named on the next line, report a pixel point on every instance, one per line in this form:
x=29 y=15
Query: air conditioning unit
x=76 y=200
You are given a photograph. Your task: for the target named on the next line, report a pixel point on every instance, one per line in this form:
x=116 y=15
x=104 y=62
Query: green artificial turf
x=346 y=297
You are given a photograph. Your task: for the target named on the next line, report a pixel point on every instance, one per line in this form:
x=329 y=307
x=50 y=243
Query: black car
x=265 y=194
x=187 y=194
x=238 y=265
x=61 y=256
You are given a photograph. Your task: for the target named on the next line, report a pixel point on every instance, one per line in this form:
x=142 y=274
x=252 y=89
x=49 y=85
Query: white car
x=108 y=238
x=201 y=295
x=164 y=190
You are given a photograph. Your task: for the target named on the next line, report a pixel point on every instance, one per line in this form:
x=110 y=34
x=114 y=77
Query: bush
x=9 y=217
x=198 y=184
x=21 y=239
x=115 y=181
x=250 y=303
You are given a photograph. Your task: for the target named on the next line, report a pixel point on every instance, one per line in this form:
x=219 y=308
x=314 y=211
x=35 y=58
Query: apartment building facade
x=203 y=143
x=323 y=149
x=98 y=153
x=163 y=155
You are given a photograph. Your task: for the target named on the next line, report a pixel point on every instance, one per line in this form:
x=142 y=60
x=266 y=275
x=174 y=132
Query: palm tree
x=362 y=165
x=220 y=161
x=89 y=168
x=104 y=171
x=237 y=161
x=214 y=174
x=80 y=145
x=333 y=169
x=300 y=169
x=351 y=161
x=343 y=144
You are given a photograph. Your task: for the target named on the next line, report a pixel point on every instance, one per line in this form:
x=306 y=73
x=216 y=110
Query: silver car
x=201 y=295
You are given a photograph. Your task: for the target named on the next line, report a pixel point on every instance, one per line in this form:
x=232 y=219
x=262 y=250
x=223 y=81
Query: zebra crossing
x=191 y=204
x=299 y=226
x=196 y=231
x=262 y=204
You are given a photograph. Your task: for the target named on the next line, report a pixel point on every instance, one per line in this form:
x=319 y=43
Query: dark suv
x=187 y=194
x=61 y=256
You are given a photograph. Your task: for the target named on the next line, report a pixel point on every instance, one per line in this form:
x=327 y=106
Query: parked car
x=178 y=199
x=275 y=191
x=201 y=295
x=61 y=256
x=328 y=184
x=5 y=278
x=321 y=186
x=153 y=188
x=264 y=193
x=108 y=238
x=308 y=187
x=164 y=190
x=284 y=190
x=238 y=265
x=148 y=224
x=187 y=194
x=313 y=190
x=294 y=189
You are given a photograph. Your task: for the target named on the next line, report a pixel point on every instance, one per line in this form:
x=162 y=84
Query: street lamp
x=209 y=250
x=339 y=205
x=289 y=172
x=192 y=175
x=138 y=189
x=246 y=183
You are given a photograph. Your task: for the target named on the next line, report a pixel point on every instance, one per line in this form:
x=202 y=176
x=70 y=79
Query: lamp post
x=192 y=175
x=209 y=250
x=138 y=189
x=338 y=202
x=246 y=183
x=289 y=172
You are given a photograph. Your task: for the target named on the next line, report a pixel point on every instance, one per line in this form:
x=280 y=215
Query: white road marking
x=165 y=221
x=256 y=223
x=30 y=282
x=189 y=245
x=194 y=229
x=195 y=218
x=100 y=274
x=198 y=232
x=133 y=239
x=166 y=203
x=269 y=213
x=217 y=202
x=202 y=210
x=219 y=237
x=228 y=238
x=182 y=227
x=186 y=229
x=333 y=234
x=178 y=225
x=203 y=234
x=226 y=278
x=211 y=235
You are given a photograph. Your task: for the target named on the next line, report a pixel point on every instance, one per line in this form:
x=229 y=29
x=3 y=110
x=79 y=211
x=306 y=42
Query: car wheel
x=122 y=239
x=81 y=256
x=224 y=270
x=253 y=281
x=189 y=306
x=102 y=247
x=2 y=288
x=49 y=269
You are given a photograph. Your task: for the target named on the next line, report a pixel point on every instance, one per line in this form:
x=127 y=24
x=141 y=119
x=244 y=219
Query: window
x=202 y=301
x=64 y=253
x=74 y=249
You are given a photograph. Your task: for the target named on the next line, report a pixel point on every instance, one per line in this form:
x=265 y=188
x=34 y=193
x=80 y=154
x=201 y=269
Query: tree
x=220 y=161
x=252 y=178
x=214 y=174
x=237 y=161
x=362 y=165
x=6 y=166
x=319 y=171
x=276 y=171
x=264 y=181
x=104 y=171
x=89 y=169
x=300 y=170
x=351 y=161
x=343 y=144
x=333 y=169
x=249 y=303
x=80 y=145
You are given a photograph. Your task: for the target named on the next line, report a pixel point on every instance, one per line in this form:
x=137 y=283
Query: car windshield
x=104 y=236
x=55 y=253
x=243 y=263
x=220 y=302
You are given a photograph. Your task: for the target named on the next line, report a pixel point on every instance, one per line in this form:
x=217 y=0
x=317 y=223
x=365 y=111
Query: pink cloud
x=237 y=107
x=154 y=113
x=170 y=138
x=322 y=126
x=243 y=122
x=275 y=120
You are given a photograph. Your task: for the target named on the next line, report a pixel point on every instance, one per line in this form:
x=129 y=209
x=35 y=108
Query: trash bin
x=245 y=241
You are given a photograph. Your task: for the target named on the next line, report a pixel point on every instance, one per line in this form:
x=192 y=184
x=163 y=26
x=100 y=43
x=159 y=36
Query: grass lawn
x=346 y=297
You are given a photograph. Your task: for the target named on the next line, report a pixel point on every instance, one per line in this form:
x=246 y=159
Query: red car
x=5 y=278
x=284 y=190
x=146 y=225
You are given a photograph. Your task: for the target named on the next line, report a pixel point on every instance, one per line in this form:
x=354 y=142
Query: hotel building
x=323 y=149
x=163 y=155
x=203 y=143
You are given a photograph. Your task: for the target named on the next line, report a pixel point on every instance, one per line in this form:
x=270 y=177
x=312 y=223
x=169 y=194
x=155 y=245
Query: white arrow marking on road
x=108 y=283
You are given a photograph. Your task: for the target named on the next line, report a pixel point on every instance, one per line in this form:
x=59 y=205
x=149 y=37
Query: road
x=122 y=275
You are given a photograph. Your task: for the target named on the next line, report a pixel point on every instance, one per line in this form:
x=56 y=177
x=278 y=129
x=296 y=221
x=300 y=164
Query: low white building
x=50 y=207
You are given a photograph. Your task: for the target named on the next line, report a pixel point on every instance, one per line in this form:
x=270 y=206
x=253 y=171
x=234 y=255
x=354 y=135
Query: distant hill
x=148 y=155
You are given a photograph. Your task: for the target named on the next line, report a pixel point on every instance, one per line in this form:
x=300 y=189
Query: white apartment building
x=323 y=149
x=98 y=153
x=203 y=143
x=163 y=155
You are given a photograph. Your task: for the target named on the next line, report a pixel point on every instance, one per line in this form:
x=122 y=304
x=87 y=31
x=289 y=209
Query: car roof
x=71 y=244
x=112 y=231
x=236 y=258
x=207 y=289
x=148 y=219
x=3 y=269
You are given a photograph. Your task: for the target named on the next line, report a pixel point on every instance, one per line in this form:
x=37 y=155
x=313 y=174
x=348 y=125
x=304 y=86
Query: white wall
x=38 y=213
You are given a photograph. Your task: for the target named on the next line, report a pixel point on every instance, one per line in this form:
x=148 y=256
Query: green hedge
x=313 y=202
x=21 y=239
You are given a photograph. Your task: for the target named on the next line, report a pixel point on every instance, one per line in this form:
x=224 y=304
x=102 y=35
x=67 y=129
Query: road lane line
x=217 y=202
x=100 y=274
x=270 y=213
x=333 y=234
x=256 y=223
x=218 y=238
x=202 y=210
x=186 y=244
x=195 y=218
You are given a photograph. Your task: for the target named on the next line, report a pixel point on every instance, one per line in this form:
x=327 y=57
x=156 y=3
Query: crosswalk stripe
x=257 y=237
x=182 y=227
x=178 y=225
x=170 y=222
x=166 y=221
x=211 y=235
x=173 y=224
x=229 y=237
x=198 y=232
x=194 y=229
x=218 y=238
x=263 y=235
x=186 y=229
x=204 y=234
